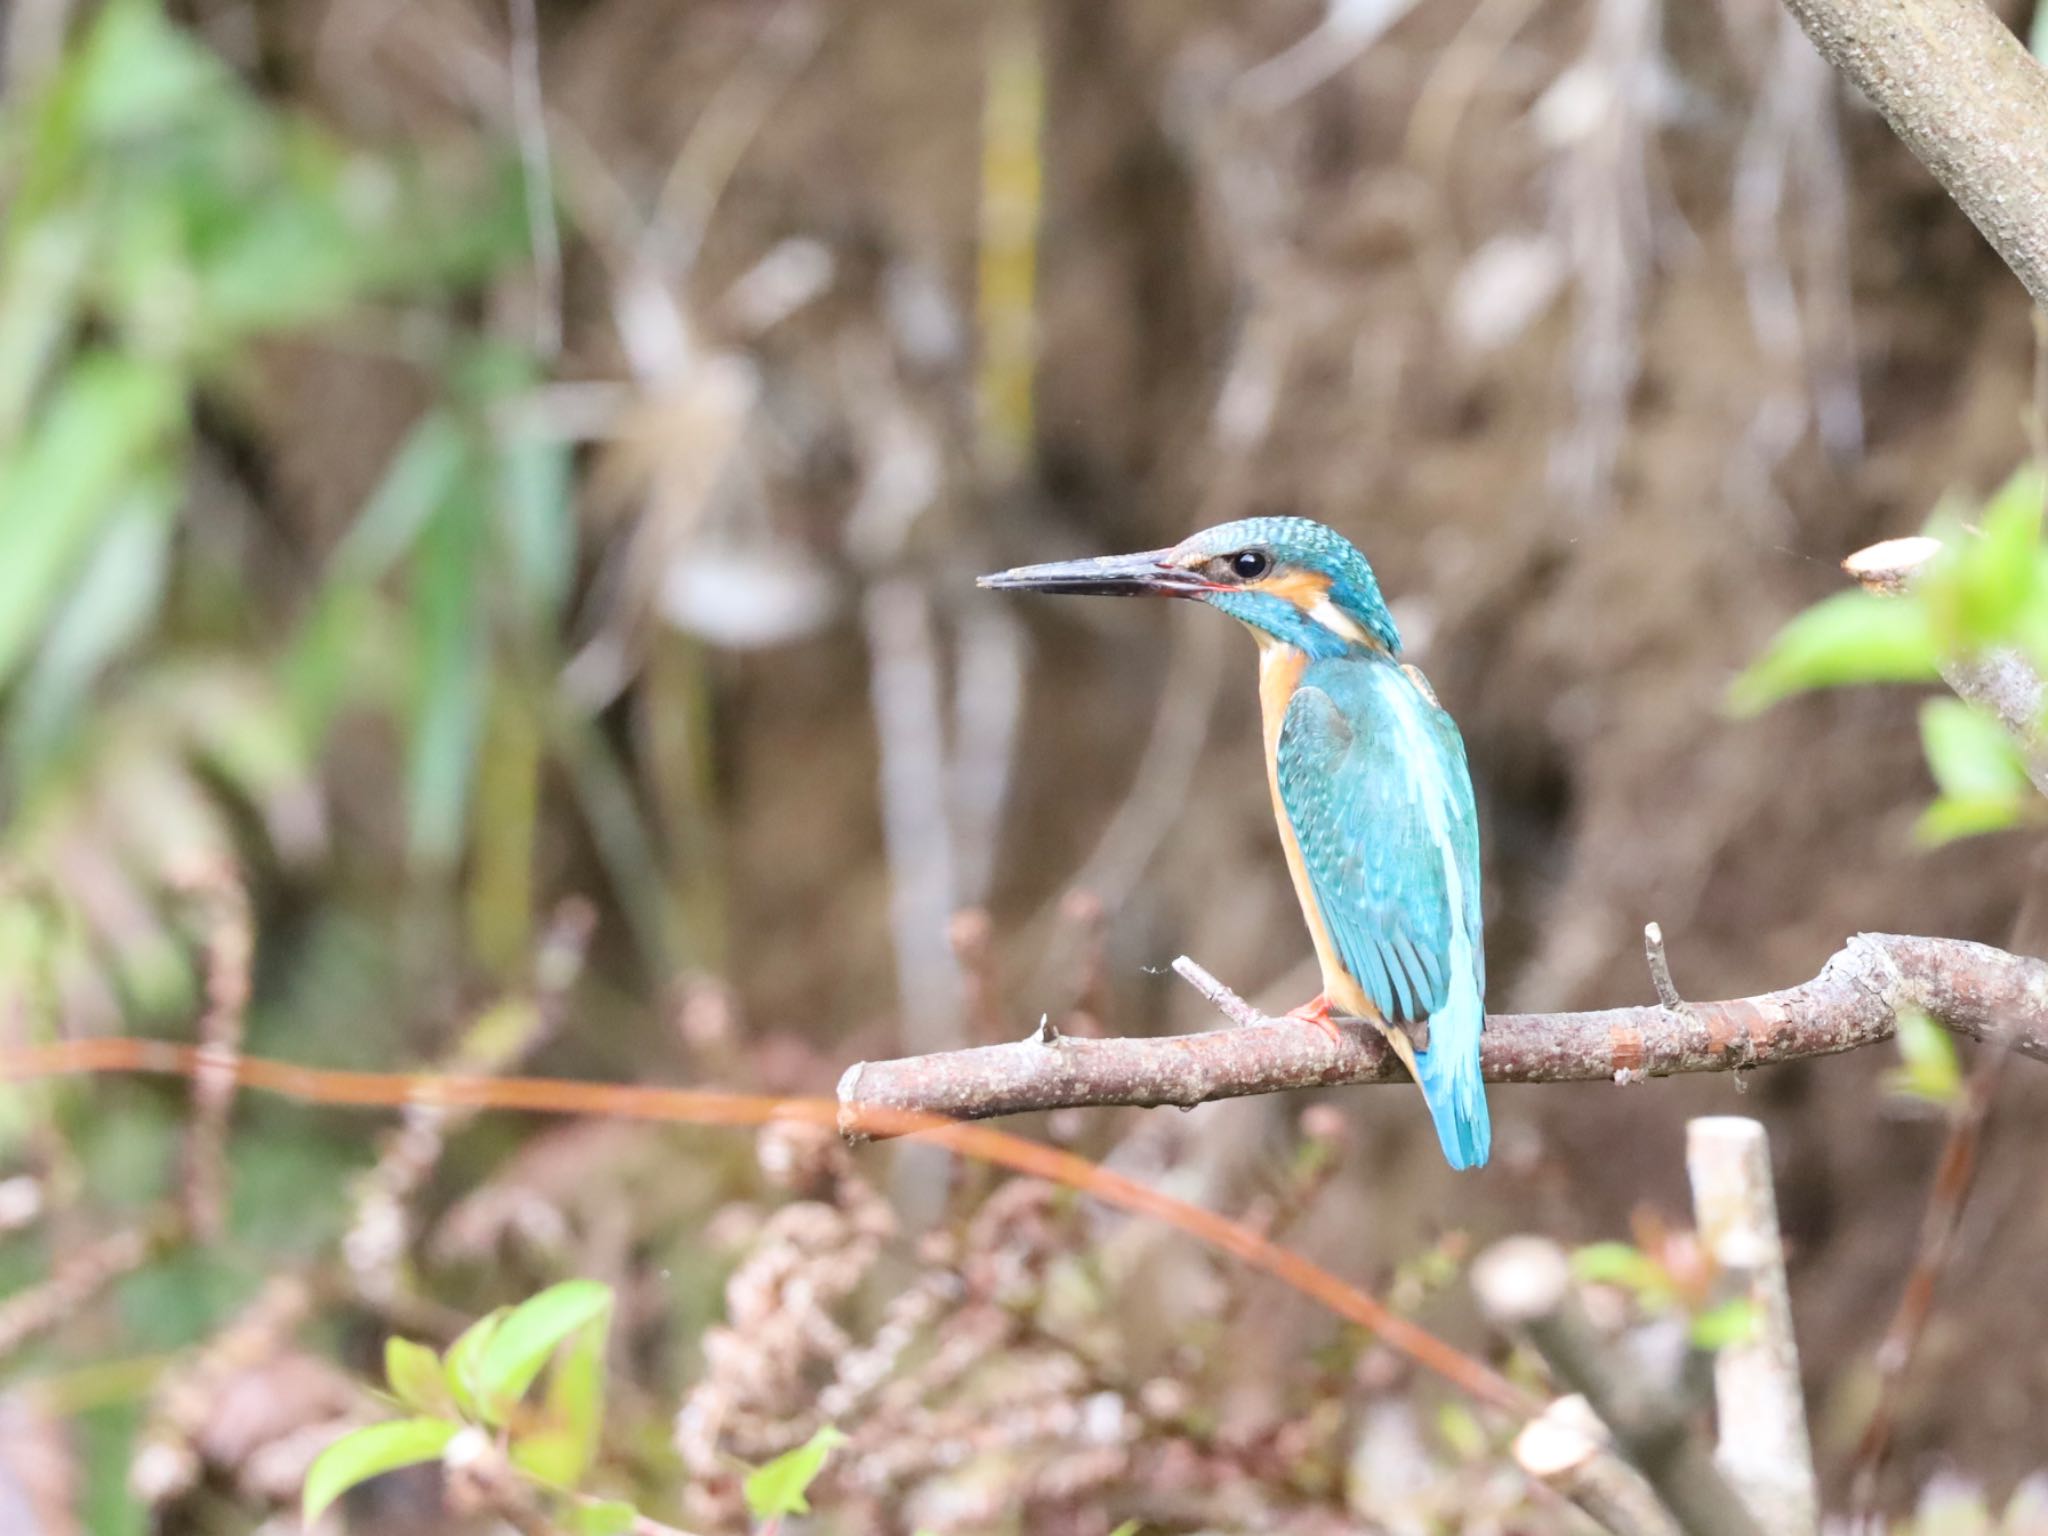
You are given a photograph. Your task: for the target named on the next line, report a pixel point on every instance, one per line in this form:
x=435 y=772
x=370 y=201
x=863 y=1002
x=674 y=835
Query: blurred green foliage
x=481 y=1382
x=176 y=668
x=782 y=1487
x=1928 y=1069
x=1712 y=1322
x=1984 y=594
x=165 y=227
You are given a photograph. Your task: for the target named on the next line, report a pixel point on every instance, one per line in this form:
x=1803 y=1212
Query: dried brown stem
x=230 y=953
x=1972 y=989
x=81 y=1277
x=1953 y=1176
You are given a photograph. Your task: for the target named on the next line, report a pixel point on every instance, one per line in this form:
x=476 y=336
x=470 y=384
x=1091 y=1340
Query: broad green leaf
x=1954 y=817
x=1971 y=754
x=1928 y=1068
x=1731 y=1322
x=575 y=1400
x=1852 y=637
x=549 y=1456
x=370 y=1452
x=1128 y=1528
x=413 y=1372
x=602 y=1517
x=512 y=1358
x=141 y=74
x=40 y=277
x=780 y=1487
x=459 y=1364
x=115 y=599
x=1984 y=581
x=69 y=476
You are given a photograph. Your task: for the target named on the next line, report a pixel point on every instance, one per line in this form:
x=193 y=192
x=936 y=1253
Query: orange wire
x=696 y=1106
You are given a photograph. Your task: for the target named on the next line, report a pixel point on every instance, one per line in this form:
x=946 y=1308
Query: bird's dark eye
x=1250 y=564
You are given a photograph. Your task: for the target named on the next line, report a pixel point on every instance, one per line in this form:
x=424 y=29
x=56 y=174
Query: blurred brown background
x=1605 y=329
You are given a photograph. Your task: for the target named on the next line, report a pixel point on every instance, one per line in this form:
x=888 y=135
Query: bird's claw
x=1319 y=1014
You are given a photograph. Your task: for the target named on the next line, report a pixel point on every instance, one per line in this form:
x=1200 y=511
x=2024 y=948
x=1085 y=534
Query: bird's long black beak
x=1145 y=575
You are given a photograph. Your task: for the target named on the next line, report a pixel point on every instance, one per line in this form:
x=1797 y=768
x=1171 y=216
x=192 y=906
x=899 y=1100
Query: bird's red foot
x=1318 y=1013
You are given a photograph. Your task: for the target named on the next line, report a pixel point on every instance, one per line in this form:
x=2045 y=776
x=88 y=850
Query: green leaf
x=414 y=1374
x=450 y=683
x=70 y=475
x=538 y=515
x=575 y=1401
x=602 y=1517
x=1953 y=817
x=1731 y=1322
x=40 y=278
x=1852 y=637
x=511 y=1359
x=424 y=474
x=780 y=1487
x=1928 y=1068
x=142 y=75
x=459 y=1365
x=370 y=1452
x=1983 y=582
x=550 y=1456
x=113 y=602
x=1619 y=1264
x=1128 y=1528
x=1971 y=754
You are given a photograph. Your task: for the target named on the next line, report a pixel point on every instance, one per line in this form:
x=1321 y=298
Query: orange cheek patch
x=1304 y=589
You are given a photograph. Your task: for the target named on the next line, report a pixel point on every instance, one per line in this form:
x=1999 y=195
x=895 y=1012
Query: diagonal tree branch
x=1965 y=96
x=1856 y=1000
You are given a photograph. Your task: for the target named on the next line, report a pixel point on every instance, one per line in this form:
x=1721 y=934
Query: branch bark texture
x=1972 y=989
x=1965 y=96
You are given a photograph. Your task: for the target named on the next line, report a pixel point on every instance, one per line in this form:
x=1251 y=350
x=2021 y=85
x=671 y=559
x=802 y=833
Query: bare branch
x=1566 y=1449
x=1764 y=1448
x=1524 y=1286
x=1965 y=96
x=1972 y=989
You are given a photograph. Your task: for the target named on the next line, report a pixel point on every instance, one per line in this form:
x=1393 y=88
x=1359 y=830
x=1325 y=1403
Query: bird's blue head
x=1294 y=580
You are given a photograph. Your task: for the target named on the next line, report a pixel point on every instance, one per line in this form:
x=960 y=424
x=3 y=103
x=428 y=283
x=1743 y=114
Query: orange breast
x=1280 y=669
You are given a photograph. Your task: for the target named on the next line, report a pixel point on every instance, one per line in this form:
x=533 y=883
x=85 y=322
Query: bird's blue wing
x=1372 y=776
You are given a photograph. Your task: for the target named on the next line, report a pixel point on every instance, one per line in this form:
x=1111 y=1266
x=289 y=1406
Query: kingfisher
x=1369 y=784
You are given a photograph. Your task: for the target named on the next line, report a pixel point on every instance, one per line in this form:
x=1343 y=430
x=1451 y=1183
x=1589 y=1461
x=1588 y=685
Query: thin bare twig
x=1660 y=968
x=31 y=1313
x=230 y=953
x=1855 y=1001
x=1953 y=1175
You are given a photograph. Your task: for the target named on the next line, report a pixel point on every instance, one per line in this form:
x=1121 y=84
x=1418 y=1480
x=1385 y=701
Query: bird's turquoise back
x=1372 y=776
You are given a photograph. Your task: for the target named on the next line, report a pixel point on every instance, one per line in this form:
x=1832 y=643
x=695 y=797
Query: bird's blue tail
x=1449 y=1071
